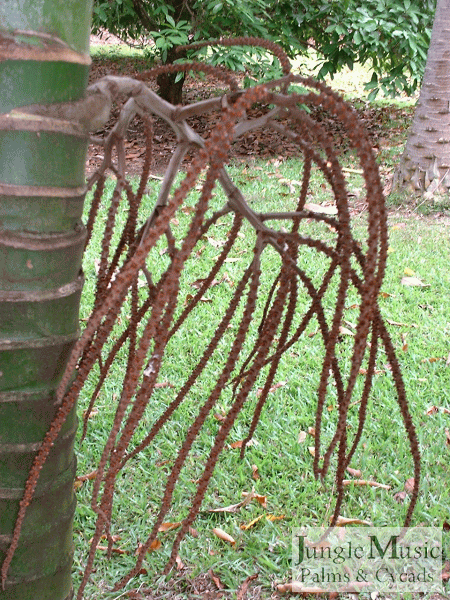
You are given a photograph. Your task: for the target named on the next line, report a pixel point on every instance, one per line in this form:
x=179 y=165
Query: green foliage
x=173 y=34
x=390 y=36
x=161 y=26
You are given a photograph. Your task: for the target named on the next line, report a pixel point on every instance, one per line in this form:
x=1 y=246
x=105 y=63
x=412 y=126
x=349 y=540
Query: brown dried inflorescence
x=156 y=312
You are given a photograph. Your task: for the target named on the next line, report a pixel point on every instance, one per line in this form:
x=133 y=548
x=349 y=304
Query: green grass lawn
x=278 y=465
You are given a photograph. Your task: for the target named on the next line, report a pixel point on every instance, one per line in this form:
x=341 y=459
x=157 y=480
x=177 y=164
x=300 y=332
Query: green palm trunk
x=43 y=60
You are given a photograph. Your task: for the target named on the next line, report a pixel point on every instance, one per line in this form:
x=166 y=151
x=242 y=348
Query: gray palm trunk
x=425 y=164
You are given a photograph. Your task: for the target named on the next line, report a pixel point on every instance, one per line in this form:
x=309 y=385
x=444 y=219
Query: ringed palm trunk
x=43 y=59
x=425 y=164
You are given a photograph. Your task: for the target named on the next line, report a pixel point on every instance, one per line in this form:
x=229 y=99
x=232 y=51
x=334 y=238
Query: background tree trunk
x=425 y=164
x=170 y=85
x=44 y=48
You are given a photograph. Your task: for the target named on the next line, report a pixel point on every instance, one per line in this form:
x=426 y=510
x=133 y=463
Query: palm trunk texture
x=425 y=164
x=44 y=59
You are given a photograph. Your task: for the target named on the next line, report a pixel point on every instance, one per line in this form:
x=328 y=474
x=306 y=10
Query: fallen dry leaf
x=409 y=272
x=216 y=580
x=168 y=526
x=366 y=482
x=193 y=532
x=348 y=170
x=258 y=497
x=312 y=431
x=289 y=183
x=223 y=535
x=322 y=209
x=400 y=497
x=228 y=280
x=87 y=477
x=447 y=436
x=404 y=342
x=82 y=478
x=189 y=298
x=413 y=281
x=401 y=324
x=215 y=243
x=297 y=587
x=432 y=359
x=274 y=517
x=255 y=473
x=251 y=523
x=302 y=437
x=235 y=507
x=342 y=521
x=320 y=544
x=432 y=410
x=200 y=251
x=179 y=562
x=200 y=282
x=242 y=591
x=155 y=545
x=239 y=443
x=114 y=550
x=446 y=571
x=354 y=472
x=94 y=411
x=363 y=371
x=261 y=499
x=114 y=538
x=312 y=451
x=345 y=331
x=409 y=485
x=163 y=384
x=272 y=389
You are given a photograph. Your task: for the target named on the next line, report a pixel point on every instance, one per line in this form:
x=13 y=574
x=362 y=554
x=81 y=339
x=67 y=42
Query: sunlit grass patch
x=278 y=464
